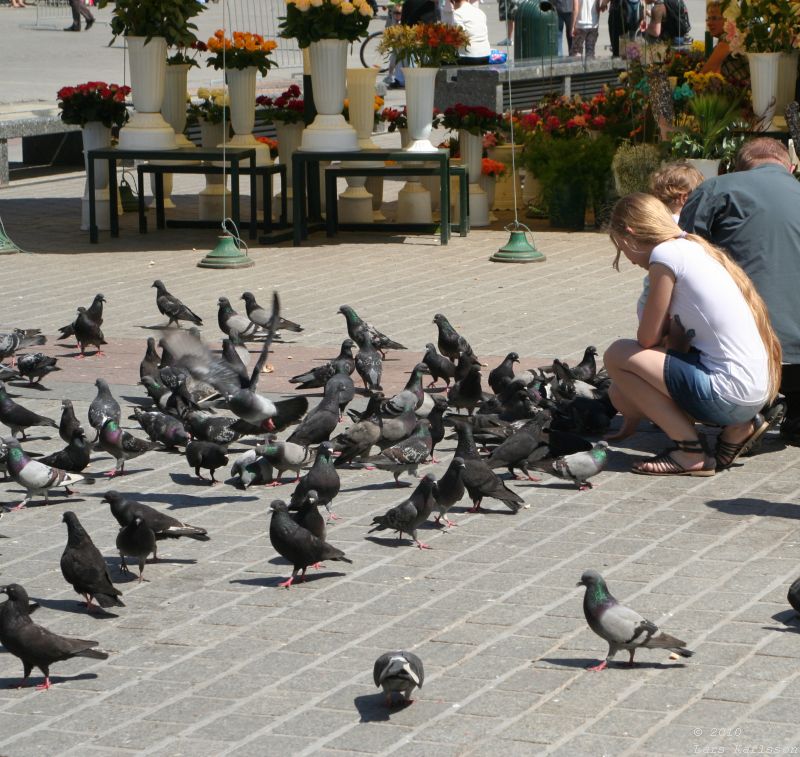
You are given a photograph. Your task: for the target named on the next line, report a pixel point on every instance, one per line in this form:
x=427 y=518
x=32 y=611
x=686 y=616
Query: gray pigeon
x=369 y=364
x=172 y=307
x=149 y=364
x=285 y=456
x=35 y=366
x=12 y=341
x=358 y=328
x=103 y=406
x=162 y=428
x=33 y=644
x=407 y=455
x=620 y=626
x=316 y=377
x=411 y=513
x=121 y=445
x=261 y=317
x=581 y=466
x=398 y=671
x=229 y=320
x=252 y=469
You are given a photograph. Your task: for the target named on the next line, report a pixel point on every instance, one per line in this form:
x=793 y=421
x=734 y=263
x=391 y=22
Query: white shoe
x=504 y=42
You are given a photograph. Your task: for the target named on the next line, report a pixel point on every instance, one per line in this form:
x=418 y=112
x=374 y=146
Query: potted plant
x=98 y=108
x=632 y=165
x=149 y=27
x=179 y=60
x=326 y=27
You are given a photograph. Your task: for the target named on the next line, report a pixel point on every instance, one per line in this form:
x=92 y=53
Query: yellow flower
x=347 y=8
x=336 y=3
x=302 y=5
x=365 y=10
x=203 y=92
x=317 y=3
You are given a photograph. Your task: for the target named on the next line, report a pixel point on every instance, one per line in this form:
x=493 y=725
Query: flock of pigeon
x=203 y=401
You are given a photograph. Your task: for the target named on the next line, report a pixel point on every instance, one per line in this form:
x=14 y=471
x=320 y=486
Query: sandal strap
x=694 y=445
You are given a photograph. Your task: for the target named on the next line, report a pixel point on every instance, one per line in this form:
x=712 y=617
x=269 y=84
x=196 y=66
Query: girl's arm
x=655 y=318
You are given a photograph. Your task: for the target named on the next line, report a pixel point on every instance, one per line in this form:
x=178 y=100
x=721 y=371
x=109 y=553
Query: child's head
x=643 y=221
x=673 y=184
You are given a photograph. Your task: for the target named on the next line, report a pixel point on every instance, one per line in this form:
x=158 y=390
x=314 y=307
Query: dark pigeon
x=411 y=513
x=398 y=671
x=94 y=312
x=17 y=417
x=33 y=644
x=84 y=568
x=211 y=428
x=297 y=544
x=466 y=394
x=149 y=365
x=74 y=457
x=316 y=377
x=323 y=478
x=503 y=375
x=620 y=626
x=369 y=364
x=356 y=441
x=436 y=419
x=172 y=307
x=162 y=428
x=450 y=341
x=450 y=490
x=206 y=455
x=358 y=328
x=794 y=596
x=69 y=422
x=586 y=370
x=320 y=423
x=515 y=450
x=162 y=525
x=88 y=334
x=309 y=517
x=439 y=366
x=135 y=540
x=36 y=366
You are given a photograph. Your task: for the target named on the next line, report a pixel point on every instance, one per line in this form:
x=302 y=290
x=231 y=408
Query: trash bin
x=535 y=30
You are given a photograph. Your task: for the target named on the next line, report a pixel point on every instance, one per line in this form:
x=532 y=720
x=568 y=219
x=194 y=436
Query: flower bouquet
x=395 y=118
x=286 y=108
x=761 y=26
x=93 y=101
x=182 y=55
x=211 y=106
x=425 y=45
x=243 y=51
x=712 y=130
x=272 y=144
x=475 y=119
x=492 y=168
x=310 y=21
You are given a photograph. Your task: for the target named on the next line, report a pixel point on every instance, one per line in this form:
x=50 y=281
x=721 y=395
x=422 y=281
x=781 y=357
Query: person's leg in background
x=790 y=388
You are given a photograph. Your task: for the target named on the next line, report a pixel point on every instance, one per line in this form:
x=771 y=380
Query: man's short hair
x=756 y=152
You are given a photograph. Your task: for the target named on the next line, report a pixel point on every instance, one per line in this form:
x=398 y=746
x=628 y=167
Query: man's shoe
x=89 y=24
x=72 y=29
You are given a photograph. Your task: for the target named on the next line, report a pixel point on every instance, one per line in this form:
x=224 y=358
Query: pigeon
x=435 y=418
x=284 y=456
x=68 y=423
x=172 y=307
x=356 y=441
x=398 y=671
x=369 y=364
x=18 y=338
x=135 y=540
x=7 y=373
x=150 y=361
x=84 y=568
x=503 y=375
x=36 y=366
x=206 y=455
x=94 y=312
x=261 y=317
x=74 y=458
x=211 y=428
x=229 y=320
x=450 y=490
x=585 y=416
x=515 y=450
x=586 y=370
x=297 y=544
x=122 y=446
x=439 y=366
x=232 y=354
x=88 y=334
x=309 y=517
x=34 y=476
x=581 y=466
x=320 y=423
x=450 y=341
x=407 y=455
x=794 y=596
x=479 y=479
x=33 y=644
x=316 y=378
x=103 y=407
x=465 y=362
x=17 y=417
x=410 y=513
x=356 y=328
x=252 y=468
x=162 y=428
x=343 y=386
x=466 y=394
x=157 y=392
x=620 y=626
x=162 y=525
x=322 y=478
x=413 y=395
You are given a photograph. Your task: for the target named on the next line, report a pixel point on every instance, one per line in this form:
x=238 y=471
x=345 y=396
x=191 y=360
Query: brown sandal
x=727 y=452
x=666 y=465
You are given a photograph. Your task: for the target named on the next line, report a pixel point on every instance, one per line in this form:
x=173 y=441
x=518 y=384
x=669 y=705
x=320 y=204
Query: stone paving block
x=712 y=713
x=543 y=728
x=133 y=736
x=40 y=741
x=781 y=710
x=186 y=747
x=288 y=745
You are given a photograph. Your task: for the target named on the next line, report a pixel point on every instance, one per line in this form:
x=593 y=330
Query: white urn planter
x=214 y=200
x=95 y=137
x=764 y=68
x=471 y=147
x=147 y=128
x=489 y=185
x=355 y=203
x=329 y=132
x=289 y=138
x=787 y=80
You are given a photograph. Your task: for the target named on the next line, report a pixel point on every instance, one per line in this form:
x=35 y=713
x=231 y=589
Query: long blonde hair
x=648 y=221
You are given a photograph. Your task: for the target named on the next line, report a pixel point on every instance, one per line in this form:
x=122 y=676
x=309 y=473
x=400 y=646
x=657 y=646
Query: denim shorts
x=689 y=384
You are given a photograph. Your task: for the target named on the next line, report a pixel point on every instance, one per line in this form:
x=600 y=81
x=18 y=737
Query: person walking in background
x=585 y=27
x=624 y=17
x=79 y=9
x=564 y=11
x=669 y=22
x=394 y=78
x=472 y=20
x=506 y=10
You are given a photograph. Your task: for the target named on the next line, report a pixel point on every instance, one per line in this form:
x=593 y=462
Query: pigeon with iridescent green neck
x=358 y=329
x=17 y=417
x=620 y=626
x=35 y=477
x=285 y=456
x=581 y=466
x=121 y=445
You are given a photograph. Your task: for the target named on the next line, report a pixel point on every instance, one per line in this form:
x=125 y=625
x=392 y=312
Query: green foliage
x=309 y=23
x=156 y=18
x=632 y=166
x=709 y=130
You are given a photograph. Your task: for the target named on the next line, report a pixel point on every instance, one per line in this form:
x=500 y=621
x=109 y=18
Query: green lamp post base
x=518 y=250
x=226 y=255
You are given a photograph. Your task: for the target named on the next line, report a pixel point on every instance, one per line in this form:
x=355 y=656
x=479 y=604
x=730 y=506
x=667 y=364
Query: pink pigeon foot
x=112 y=473
x=475 y=508
x=20 y=506
x=601 y=666
x=44 y=686
x=334 y=516
x=422 y=545
x=272 y=484
x=287 y=583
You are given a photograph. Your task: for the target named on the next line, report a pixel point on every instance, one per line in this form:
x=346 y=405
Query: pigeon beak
x=580 y=583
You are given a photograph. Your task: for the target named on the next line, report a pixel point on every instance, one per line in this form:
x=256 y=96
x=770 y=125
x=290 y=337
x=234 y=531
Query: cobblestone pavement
x=210 y=658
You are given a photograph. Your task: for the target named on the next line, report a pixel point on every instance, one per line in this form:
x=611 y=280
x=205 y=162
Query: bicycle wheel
x=370 y=57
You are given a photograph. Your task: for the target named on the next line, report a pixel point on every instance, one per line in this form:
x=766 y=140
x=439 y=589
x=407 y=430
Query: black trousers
x=790 y=388
x=79 y=9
